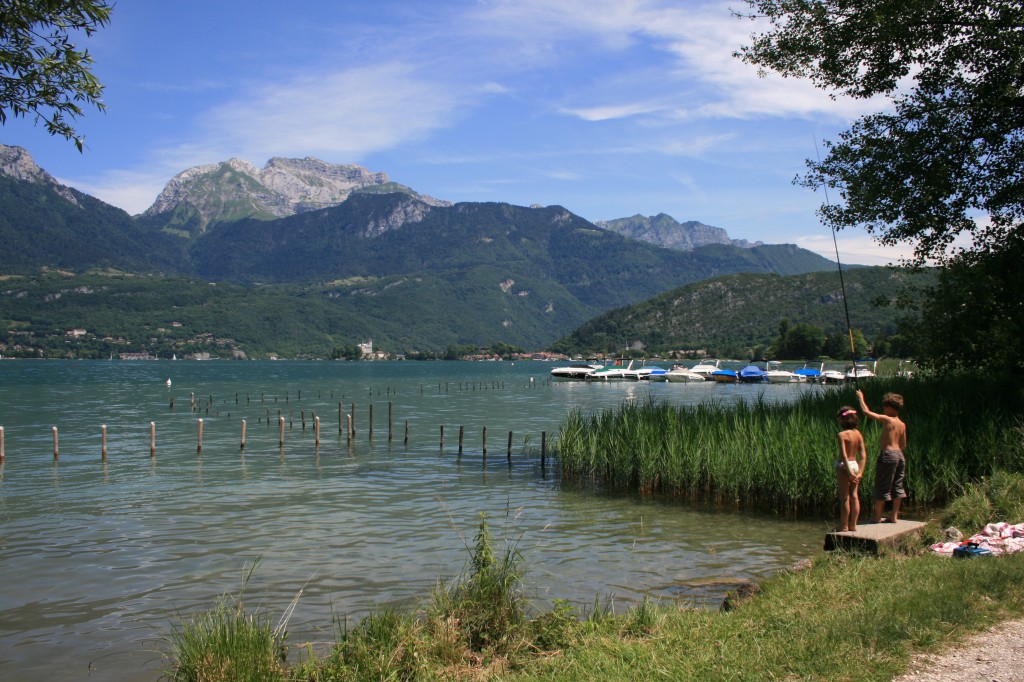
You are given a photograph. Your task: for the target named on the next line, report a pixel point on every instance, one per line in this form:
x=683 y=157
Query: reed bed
x=780 y=456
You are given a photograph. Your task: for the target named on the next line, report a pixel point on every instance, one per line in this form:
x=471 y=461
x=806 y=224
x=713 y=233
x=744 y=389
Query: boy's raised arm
x=864 y=407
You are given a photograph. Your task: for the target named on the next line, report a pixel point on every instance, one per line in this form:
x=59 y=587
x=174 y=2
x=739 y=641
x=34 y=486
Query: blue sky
x=609 y=108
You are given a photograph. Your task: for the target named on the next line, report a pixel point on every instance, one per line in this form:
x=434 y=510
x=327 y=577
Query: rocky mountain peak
x=664 y=230
x=235 y=189
x=17 y=163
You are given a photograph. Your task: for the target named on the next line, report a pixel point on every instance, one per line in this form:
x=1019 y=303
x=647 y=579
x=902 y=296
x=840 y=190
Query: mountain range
x=384 y=260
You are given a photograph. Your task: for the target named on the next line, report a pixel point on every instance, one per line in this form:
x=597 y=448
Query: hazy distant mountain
x=236 y=189
x=664 y=230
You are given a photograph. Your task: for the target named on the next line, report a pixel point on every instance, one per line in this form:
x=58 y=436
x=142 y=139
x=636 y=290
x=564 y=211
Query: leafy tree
x=950 y=147
x=966 y=331
x=41 y=71
x=837 y=345
x=802 y=340
x=349 y=351
x=942 y=161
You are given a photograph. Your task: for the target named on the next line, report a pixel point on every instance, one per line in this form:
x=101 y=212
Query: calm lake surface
x=101 y=559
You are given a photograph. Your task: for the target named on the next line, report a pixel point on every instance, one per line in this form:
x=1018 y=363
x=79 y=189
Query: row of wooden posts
x=281 y=421
x=443 y=386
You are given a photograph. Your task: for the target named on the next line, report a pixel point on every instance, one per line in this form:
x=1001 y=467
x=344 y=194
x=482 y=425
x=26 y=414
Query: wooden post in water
x=484 y=441
x=352 y=420
x=55 y=449
x=280 y=431
x=509 y=447
x=1 y=443
x=303 y=416
x=406 y=437
x=152 y=439
x=242 y=447
x=199 y=447
x=462 y=430
x=371 y=421
x=316 y=430
x=103 y=441
x=390 y=422
x=442 y=435
x=349 y=431
x=341 y=420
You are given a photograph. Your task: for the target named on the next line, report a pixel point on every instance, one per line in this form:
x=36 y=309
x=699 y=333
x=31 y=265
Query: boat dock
x=872 y=536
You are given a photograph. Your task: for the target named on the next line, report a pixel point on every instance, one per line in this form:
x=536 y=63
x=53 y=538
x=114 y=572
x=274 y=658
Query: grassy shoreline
x=847 y=616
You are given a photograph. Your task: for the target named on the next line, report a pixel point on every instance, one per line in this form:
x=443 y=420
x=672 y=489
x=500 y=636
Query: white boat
x=706 y=368
x=781 y=376
x=643 y=373
x=810 y=374
x=832 y=376
x=658 y=374
x=611 y=373
x=577 y=370
x=860 y=371
x=682 y=375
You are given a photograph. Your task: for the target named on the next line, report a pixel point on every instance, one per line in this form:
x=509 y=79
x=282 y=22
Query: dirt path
x=994 y=656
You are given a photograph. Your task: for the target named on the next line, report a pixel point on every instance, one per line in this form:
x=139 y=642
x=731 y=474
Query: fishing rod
x=842 y=283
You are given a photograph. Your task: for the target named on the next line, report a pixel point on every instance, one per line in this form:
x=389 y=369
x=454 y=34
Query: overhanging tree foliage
x=944 y=159
x=42 y=72
x=950 y=149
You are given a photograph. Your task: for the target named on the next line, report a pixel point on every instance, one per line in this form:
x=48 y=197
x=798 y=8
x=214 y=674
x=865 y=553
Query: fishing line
x=839 y=265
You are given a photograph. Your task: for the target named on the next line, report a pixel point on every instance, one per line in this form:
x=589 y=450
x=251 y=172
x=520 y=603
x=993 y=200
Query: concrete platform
x=871 y=536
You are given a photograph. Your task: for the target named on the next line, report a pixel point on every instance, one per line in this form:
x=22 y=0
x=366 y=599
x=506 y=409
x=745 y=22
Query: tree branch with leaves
x=42 y=72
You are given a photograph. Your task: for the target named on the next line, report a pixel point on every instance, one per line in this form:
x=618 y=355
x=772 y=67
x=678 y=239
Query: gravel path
x=994 y=656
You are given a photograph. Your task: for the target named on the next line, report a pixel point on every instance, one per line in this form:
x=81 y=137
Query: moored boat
x=725 y=376
x=752 y=374
x=810 y=374
x=706 y=367
x=860 y=370
x=781 y=376
x=658 y=374
x=577 y=370
x=614 y=372
x=832 y=376
x=682 y=375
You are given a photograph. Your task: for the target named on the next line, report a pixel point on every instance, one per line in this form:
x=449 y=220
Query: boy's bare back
x=894 y=431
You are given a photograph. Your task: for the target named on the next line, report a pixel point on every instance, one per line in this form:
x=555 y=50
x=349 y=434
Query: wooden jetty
x=871 y=536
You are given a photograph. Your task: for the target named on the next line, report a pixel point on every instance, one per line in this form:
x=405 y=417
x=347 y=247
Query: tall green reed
x=780 y=456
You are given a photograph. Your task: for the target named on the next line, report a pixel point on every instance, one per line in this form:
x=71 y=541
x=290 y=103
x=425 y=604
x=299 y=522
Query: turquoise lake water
x=100 y=559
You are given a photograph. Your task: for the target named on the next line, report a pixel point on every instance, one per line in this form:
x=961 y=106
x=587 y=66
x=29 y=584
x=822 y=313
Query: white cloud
x=344 y=114
x=856 y=249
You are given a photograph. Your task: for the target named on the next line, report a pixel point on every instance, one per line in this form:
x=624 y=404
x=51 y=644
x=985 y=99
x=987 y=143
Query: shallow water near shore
x=101 y=559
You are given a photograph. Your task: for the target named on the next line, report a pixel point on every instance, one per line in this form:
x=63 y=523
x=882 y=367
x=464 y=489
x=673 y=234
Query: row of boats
x=712 y=370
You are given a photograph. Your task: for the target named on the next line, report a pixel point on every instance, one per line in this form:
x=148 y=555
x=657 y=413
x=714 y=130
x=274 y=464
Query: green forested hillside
x=730 y=314
x=411 y=276
x=39 y=228
x=599 y=268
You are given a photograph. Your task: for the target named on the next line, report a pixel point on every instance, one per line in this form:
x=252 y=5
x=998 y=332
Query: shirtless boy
x=890 y=469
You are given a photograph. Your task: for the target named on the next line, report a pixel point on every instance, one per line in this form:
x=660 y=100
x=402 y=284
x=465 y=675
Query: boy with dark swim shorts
x=891 y=466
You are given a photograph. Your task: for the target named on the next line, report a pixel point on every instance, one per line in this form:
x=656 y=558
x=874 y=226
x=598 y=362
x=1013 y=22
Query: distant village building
x=76 y=333
x=366 y=349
